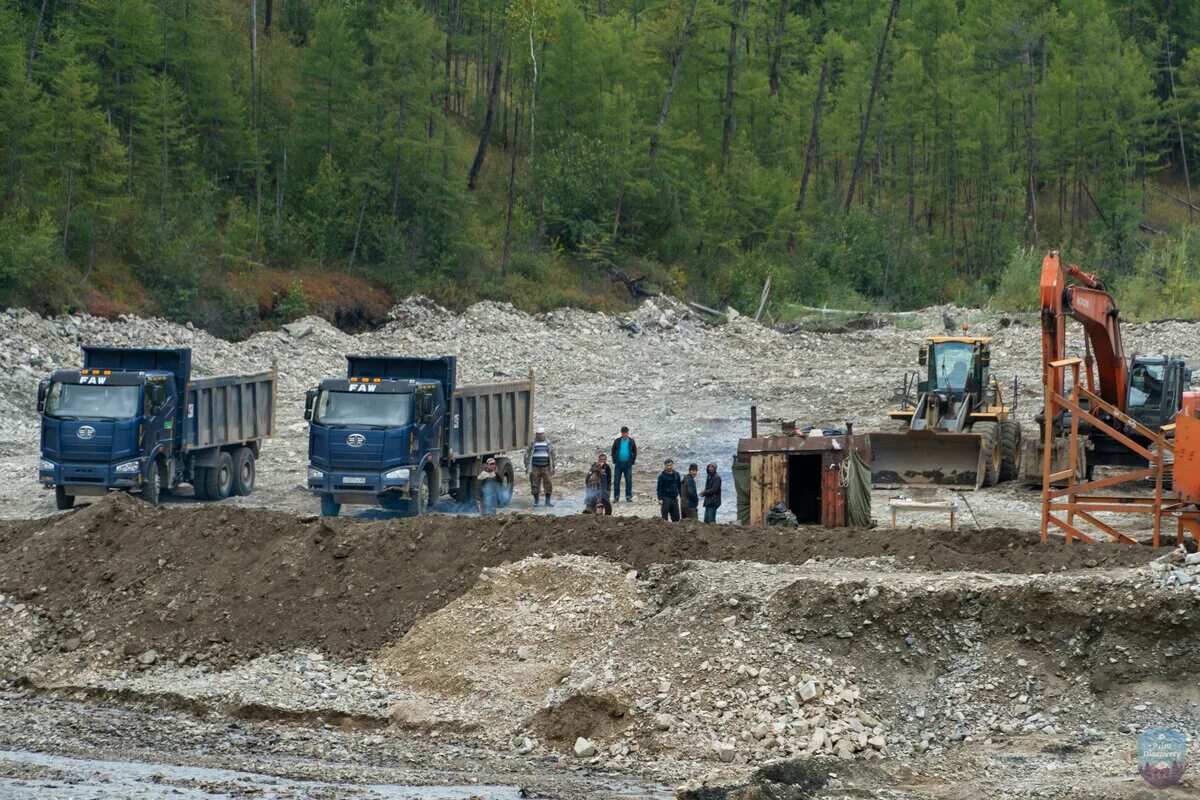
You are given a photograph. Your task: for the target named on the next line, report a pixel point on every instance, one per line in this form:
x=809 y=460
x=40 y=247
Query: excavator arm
x=1087 y=302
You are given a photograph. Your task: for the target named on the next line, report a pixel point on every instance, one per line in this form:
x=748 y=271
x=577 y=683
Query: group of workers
x=679 y=496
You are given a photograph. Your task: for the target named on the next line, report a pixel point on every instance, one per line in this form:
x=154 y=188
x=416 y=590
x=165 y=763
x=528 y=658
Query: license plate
x=354 y=480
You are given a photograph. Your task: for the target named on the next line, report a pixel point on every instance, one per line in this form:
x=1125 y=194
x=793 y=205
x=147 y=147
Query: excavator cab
x=958 y=431
x=1156 y=387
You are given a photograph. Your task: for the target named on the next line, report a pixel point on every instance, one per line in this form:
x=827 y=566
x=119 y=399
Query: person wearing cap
x=711 y=494
x=624 y=454
x=540 y=464
x=488 y=483
x=668 y=491
x=690 y=500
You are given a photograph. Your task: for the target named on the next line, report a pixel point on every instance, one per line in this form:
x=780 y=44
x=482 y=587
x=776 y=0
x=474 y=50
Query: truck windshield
x=1145 y=385
x=88 y=401
x=952 y=364
x=350 y=409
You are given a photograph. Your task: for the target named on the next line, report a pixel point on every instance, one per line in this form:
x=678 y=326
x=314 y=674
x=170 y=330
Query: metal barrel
x=926 y=458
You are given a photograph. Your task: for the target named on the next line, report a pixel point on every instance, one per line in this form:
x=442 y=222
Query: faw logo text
x=363 y=387
x=92 y=379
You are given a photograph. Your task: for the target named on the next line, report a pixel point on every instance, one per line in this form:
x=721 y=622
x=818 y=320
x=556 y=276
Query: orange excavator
x=1150 y=389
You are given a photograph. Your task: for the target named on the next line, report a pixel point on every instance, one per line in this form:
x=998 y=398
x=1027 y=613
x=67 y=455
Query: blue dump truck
x=135 y=420
x=398 y=432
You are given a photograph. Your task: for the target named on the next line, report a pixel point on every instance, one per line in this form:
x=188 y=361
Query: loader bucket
x=926 y=457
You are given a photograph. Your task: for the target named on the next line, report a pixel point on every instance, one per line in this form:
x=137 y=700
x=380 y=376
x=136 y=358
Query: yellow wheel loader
x=957 y=430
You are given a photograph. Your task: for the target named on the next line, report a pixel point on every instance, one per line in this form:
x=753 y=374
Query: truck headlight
x=47 y=465
x=128 y=467
x=315 y=473
x=397 y=474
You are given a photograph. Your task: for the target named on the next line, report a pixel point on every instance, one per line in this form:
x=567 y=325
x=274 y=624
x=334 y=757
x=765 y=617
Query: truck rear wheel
x=990 y=451
x=62 y=500
x=243 y=471
x=1010 y=450
x=218 y=480
x=329 y=507
x=504 y=469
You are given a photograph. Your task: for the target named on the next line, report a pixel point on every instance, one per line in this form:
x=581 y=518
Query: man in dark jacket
x=624 y=454
x=690 y=500
x=711 y=494
x=669 y=486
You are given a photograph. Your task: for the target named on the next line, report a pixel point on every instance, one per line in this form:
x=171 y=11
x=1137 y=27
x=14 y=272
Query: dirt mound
x=245 y=580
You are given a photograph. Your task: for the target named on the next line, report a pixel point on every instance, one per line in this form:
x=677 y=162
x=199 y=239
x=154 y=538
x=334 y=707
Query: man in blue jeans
x=624 y=454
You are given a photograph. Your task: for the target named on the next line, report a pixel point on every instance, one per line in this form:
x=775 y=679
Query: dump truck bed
x=231 y=409
x=491 y=418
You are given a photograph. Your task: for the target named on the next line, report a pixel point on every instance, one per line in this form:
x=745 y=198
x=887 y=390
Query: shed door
x=768 y=484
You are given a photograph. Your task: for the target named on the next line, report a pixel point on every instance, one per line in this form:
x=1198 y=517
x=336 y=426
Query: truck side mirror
x=427 y=407
x=923 y=356
x=43 y=390
x=310 y=397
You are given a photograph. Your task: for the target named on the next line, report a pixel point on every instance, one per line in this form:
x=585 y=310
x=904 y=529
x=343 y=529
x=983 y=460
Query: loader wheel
x=1010 y=450
x=990 y=448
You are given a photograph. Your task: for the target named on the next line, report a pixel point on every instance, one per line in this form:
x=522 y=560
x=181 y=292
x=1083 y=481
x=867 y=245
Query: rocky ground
x=251 y=648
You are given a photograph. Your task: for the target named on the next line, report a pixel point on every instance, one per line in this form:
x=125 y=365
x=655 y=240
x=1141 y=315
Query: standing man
x=691 y=498
x=668 y=491
x=598 y=481
x=711 y=494
x=624 y=454
x=489 y=489
x=540 y=464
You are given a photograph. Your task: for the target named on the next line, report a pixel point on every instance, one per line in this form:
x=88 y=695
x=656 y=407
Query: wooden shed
x=802 y=472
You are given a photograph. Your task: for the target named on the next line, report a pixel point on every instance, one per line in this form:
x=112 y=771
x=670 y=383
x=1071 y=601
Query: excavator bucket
x=926 y=457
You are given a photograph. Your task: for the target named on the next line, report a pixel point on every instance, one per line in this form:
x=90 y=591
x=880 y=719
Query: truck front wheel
x=243 y=471
x=152 y=487
x=329 y=506
x=422 y=498
x=62 y=500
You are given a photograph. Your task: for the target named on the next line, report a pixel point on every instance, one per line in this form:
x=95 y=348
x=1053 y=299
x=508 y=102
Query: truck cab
x=101 y=427
x=133 y=419
x=398 y=432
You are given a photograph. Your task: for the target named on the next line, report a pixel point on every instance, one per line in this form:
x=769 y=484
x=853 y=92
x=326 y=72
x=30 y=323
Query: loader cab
x=1156 y=387
x=956 y=366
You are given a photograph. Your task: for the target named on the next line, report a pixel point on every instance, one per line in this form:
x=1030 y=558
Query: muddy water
x=42 y=776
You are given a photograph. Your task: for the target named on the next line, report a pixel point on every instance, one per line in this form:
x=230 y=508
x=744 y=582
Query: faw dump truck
x=135 y=420
x=398 y=432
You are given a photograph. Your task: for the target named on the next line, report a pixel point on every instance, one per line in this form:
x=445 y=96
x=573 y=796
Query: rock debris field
x=252 y=648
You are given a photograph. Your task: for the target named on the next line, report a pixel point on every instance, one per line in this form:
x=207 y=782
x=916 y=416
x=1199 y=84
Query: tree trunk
x=676 y=63
x=777 y=49
x=866 y=126
x=70 y=197
x=1187 y=177
x=731 y=60
x=814 y=134
x=362 y=212
x=485 y=136
x=512 y=178
x=254 y=122
x=267 y=17
x=33 y=44
x=1030 y=152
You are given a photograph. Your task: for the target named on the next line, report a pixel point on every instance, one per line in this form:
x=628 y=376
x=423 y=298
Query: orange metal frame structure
x=1076 y=498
